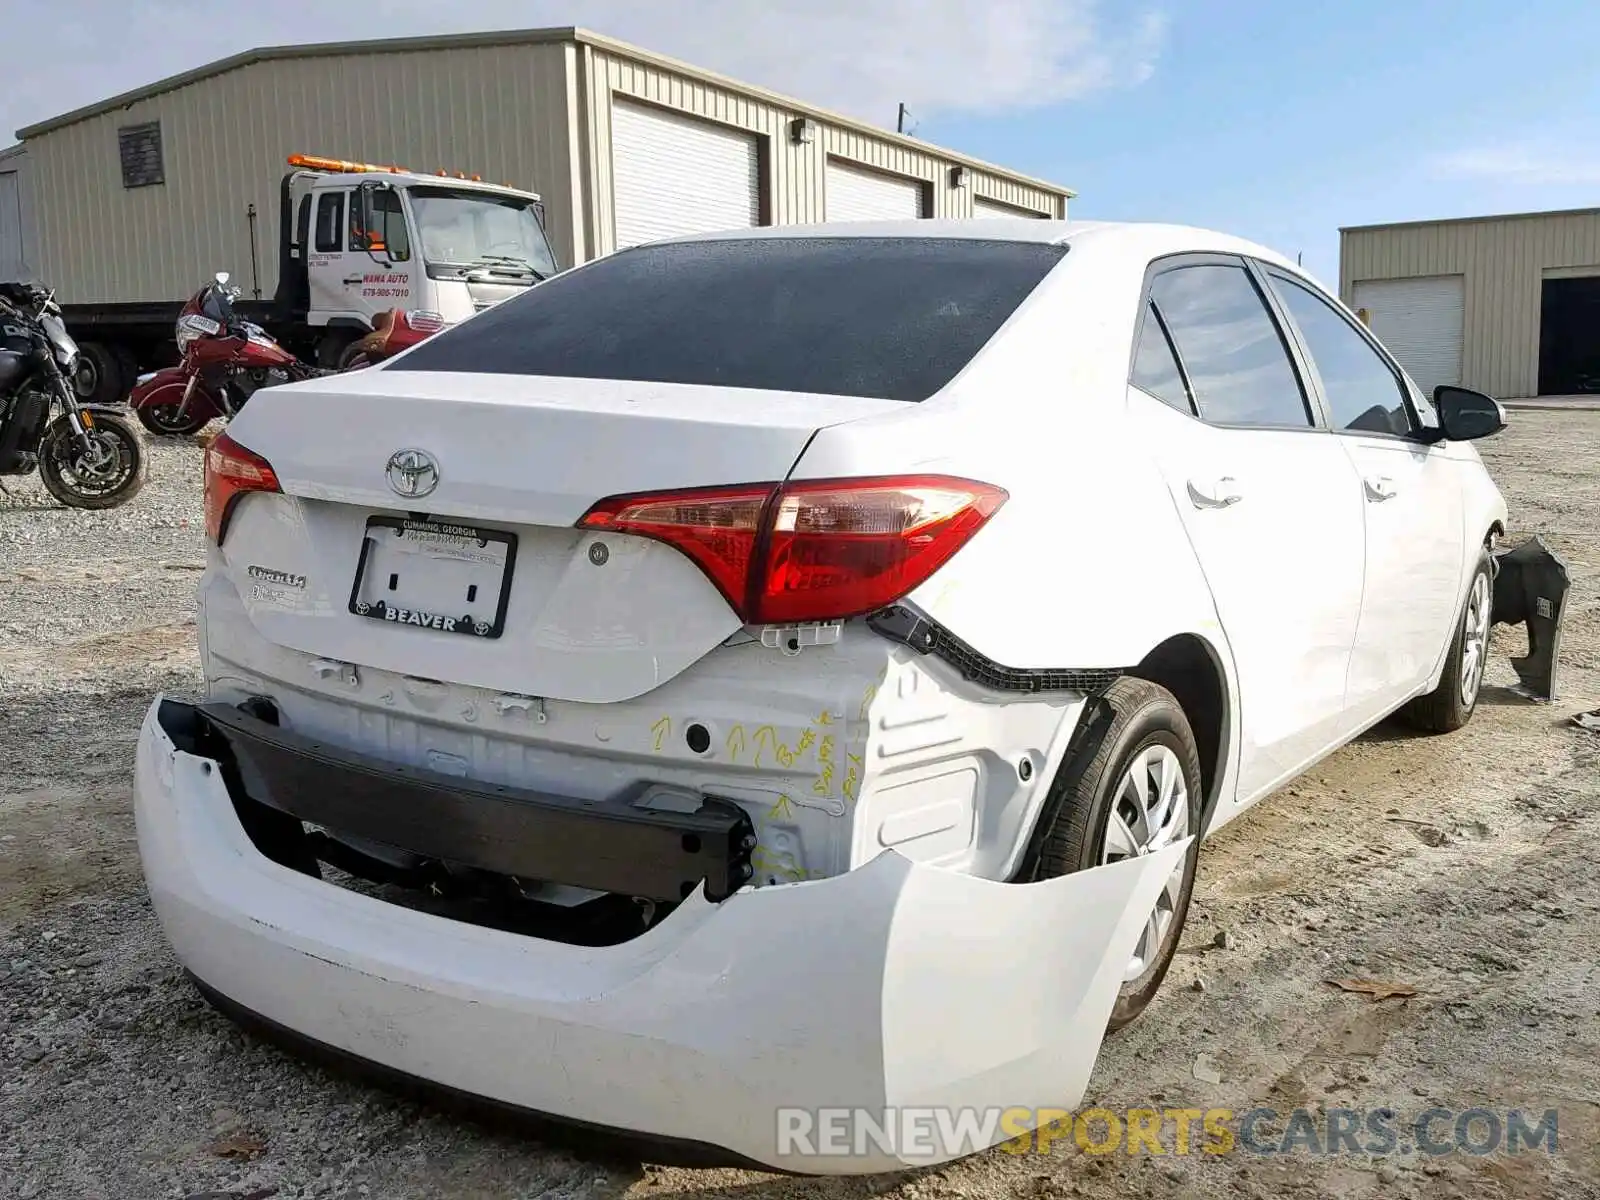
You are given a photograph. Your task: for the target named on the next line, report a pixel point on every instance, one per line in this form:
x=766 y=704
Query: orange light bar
x=314 y=162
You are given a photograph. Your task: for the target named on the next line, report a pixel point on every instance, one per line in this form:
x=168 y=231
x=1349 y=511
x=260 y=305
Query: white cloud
x=862 y=57
x=1526 y=163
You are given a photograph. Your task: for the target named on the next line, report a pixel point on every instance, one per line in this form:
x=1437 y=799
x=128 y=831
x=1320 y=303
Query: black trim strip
x=900 y=624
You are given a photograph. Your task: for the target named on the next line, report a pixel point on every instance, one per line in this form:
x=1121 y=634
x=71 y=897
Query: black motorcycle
x=88 y=456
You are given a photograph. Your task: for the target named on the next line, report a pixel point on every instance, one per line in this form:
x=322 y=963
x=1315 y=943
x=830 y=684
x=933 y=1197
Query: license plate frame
x=437 y=622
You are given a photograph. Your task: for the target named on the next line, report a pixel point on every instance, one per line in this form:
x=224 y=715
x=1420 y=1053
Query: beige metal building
x=1509 y=305
x=143 y=195
x=16 y=216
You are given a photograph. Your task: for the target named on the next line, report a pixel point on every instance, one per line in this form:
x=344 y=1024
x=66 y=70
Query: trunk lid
x=344 y=567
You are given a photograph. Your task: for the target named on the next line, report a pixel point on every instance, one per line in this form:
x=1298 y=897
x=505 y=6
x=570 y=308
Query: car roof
x=1139 y=240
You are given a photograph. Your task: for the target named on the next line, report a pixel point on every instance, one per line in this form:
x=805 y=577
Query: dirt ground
x=1462 y=867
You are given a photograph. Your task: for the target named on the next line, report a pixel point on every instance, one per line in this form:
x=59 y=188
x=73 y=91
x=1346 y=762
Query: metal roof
x=1517 y=216
x=572 y=34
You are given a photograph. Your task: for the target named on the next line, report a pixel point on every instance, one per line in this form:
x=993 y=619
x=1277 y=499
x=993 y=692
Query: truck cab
x=357 y=239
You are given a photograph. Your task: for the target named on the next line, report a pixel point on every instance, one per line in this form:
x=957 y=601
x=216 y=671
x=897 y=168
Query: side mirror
x=364 y=210
x=374 y=241
x=1465 y=415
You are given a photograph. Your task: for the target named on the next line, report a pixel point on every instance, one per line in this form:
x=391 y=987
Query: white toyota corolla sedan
x=795 y=669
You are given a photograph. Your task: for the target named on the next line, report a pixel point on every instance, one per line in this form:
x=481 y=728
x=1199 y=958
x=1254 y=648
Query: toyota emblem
x=412 y=473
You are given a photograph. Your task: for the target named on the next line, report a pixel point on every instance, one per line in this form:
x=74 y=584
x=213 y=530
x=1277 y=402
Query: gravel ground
x=1462 y=867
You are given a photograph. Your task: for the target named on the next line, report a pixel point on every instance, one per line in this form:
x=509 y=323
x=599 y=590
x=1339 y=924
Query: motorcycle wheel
x=354 y=358
x=162 y=420
x=110 y=472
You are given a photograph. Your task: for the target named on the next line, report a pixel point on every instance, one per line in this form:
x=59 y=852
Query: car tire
x=1451 y=705
x=1133 y=718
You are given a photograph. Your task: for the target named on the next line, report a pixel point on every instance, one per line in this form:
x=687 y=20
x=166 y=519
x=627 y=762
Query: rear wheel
x=1451 y=705
x=1132 y=790
x=354 y=357
x=104 y=470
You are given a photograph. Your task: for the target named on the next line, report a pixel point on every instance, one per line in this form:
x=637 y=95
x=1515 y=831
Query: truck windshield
x=470 y=229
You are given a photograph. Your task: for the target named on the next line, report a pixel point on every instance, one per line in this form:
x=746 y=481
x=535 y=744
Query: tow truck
x=355 y=240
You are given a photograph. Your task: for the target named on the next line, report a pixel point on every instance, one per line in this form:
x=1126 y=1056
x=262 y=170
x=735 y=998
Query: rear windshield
x=894 y=318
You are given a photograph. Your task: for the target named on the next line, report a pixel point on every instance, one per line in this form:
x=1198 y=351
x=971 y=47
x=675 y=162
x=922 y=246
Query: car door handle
x=1219 y=493
x=352 y=279
x=1380 y=489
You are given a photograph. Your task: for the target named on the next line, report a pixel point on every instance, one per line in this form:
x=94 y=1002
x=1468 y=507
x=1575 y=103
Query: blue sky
x=1282 y=121
x=1279 y=120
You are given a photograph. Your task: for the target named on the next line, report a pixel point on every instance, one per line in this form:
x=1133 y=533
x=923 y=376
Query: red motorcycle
x=392 y=331
x=226 y=360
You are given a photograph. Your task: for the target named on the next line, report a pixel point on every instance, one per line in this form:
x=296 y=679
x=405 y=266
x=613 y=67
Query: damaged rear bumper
x=893 y=987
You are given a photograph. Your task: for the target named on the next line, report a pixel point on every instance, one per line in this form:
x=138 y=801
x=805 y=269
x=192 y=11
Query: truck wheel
x=332 y=347
x=98 y=379
x=1131 y=788
x=128 y=364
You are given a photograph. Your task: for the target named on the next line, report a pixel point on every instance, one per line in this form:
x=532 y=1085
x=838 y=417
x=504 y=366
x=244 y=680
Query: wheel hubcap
x=1475 y=640
x=99 y=458
x=1149 y=811
x=96 y=469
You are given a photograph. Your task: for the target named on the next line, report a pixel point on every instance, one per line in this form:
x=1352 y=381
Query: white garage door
x=10 y=226
x=1420 y=320
x=673 y=175
x=854 y=194
x=993 y=208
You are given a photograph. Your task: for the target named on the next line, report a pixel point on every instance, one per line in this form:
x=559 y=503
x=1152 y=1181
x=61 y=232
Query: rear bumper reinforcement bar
x=615 y=845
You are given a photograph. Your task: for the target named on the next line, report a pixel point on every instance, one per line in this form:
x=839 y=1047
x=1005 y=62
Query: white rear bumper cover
x=895 y=986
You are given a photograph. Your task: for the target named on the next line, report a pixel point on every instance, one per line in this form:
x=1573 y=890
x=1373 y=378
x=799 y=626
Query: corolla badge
x=412 y=473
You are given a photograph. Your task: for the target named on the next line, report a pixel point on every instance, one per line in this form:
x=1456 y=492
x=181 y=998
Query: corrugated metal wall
x=1504 y=261
x=503 y=112
x=534 y=114
x=17 y=242
x=795 y=172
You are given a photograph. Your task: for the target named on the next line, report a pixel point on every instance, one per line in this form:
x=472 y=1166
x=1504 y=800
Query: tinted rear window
x=894 y=318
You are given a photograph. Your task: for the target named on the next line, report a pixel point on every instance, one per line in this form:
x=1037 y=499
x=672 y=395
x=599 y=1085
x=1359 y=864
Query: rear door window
x=1155 y=366
x=1231 y=347
x=894 y=318
x=330 y=218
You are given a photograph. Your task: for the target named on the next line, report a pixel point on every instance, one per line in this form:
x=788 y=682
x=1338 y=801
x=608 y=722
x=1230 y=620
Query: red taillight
x=231 y=471
x=423 y=321
x=814 y=550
